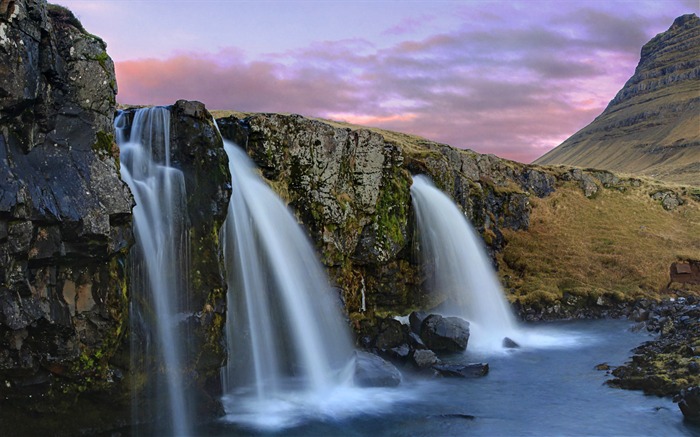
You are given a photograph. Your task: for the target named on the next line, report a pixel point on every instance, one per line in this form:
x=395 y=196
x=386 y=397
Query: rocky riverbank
x=668 y=365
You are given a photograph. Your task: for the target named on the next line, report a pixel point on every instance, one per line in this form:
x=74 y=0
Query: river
x=551 y=389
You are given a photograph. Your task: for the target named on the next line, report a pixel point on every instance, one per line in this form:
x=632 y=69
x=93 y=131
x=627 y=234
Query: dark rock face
x=444 y=334
x=391 y=334
x=415 y=320
x=373 y=371
x=198 y=151
x=65 y=215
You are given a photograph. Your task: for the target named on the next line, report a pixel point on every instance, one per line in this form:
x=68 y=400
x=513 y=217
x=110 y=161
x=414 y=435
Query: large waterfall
x=462 y=269
x=159 y=265
x=289 y=347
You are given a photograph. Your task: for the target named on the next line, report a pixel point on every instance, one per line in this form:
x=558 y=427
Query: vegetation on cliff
x=567 y=242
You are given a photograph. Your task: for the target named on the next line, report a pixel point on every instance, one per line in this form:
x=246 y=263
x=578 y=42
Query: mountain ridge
x=652 y=125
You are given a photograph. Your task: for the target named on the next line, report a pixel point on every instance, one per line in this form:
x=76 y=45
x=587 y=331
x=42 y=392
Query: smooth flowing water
x=159 y=262
x=461 y=268
x=544 y=391
x=290 y=349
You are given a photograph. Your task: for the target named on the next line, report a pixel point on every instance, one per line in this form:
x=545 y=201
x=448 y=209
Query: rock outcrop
x=66 y=231
x=65 y=215
x=350 y=187
x=651 y=126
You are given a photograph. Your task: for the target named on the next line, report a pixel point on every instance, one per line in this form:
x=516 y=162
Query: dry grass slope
x=619 y=244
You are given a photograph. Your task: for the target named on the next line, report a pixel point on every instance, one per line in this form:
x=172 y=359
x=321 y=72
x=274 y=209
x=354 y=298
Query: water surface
x=550 y=388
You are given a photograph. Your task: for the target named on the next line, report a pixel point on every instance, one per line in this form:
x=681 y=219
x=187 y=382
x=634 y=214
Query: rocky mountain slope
x=652 y=126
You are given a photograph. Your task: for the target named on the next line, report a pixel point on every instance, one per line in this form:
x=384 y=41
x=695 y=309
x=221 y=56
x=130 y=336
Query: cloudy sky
x=512 y=78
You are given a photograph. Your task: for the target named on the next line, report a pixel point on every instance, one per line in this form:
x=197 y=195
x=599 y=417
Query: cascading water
x=159 y=262
x=288 y=345
x=462 y=270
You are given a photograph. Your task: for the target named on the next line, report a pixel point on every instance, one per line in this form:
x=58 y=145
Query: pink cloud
x=516 y=94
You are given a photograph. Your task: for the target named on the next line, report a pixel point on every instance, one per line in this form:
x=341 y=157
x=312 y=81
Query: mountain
x=652 y=126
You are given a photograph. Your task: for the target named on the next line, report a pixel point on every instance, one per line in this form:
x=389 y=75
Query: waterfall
x=287 y=340
x=159 y=263
x=462 y=269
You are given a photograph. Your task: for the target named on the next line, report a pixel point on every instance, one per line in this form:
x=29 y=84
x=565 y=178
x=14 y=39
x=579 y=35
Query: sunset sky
x=510 y=78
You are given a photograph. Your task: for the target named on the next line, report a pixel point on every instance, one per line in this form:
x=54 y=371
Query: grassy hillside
x=618 y=244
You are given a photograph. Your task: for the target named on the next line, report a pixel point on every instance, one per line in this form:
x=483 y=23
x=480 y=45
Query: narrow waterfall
x=462 y=269
x=287 y=340
x=159 y=264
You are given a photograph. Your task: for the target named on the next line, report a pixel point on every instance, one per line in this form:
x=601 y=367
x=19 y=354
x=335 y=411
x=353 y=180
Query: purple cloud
x=513 y=88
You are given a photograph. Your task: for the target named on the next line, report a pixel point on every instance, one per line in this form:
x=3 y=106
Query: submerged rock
x=689 y=402
x=373 y=371
x=509 y=343
x=445 y=334
x=471 y=370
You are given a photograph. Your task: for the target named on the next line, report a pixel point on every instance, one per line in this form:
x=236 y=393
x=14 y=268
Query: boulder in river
x=445 y=334
x=689 y=402
x=373 y=371
x=424 y=358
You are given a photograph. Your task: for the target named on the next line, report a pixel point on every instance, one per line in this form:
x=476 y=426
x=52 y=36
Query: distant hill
x=652 y=126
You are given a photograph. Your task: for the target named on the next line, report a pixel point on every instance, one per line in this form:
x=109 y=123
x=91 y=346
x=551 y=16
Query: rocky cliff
x=651 y=126
x=563 y=239
x=66 y=233
x=350 y=187
x=65 y=215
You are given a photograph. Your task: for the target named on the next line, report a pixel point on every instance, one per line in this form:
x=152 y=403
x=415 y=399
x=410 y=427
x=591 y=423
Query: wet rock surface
x=197 y=150
x=350 y=187
x=65 y=215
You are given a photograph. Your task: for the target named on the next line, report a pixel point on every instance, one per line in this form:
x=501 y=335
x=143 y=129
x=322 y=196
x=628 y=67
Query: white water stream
x=160 y=257
x=462 y=269
x=289 y=346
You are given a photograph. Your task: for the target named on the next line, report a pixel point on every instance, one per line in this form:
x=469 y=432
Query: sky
x=511 y=78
